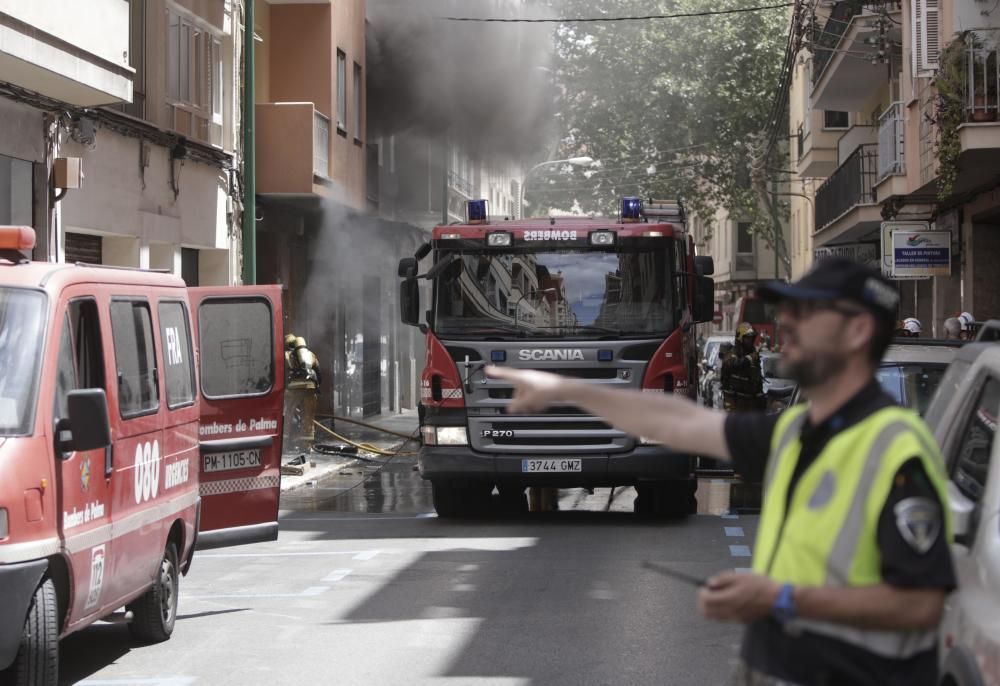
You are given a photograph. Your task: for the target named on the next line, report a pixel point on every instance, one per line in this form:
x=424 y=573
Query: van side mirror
x=409 y=302
x=704 y=301
x=961 y=514
x=88 y=426
x=704 y=265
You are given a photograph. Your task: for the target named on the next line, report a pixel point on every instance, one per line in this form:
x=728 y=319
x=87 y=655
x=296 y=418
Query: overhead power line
x=646 y=17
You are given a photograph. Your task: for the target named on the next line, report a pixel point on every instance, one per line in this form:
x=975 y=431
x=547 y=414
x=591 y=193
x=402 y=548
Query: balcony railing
x=321 y=145
x=831 y=33
x=890 y=141
x=852 y=184
x=460 y=184
x=982 y=101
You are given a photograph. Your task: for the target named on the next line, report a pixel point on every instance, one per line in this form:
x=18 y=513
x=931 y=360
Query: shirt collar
x=861 y=404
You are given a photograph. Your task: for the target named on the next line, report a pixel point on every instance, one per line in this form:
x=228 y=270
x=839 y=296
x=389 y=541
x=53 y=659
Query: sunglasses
x=803 y=309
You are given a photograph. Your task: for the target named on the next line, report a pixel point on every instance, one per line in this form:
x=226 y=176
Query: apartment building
x=121 y=117
x=743 y=260
x=894 y=119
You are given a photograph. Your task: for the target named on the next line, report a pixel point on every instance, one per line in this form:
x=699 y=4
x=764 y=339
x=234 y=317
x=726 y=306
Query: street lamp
x=574 y=161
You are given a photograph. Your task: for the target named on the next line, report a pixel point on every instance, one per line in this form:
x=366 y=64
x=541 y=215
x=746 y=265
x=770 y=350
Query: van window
x=132 y=330
x=236 y=340
x=81 y=357
x=970 y=464
x=175 y=337
x=22 y=330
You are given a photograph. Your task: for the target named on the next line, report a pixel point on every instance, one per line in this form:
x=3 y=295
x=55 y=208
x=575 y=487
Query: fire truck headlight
x=602 y=238
x=3 y=522
x=499 y=239
x=452 y=435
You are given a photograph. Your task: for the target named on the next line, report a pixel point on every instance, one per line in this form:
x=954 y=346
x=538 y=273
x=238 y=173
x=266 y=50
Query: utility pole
x=445 y=159
x=249 y=154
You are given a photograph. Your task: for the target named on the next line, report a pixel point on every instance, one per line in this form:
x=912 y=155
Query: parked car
x=778 y=389
x=911 y=370
x=963 y=416
x=716 y=348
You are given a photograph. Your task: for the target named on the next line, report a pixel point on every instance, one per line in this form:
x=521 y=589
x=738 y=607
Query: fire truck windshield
x=573 y=293
x=22 y=320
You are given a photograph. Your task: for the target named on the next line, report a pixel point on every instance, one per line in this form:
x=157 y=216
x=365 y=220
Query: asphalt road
x=367 y=587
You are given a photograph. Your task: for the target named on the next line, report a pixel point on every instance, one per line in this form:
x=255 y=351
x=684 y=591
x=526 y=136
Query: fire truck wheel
x=512 y=500
x=460 y=499
x=669 y=499
x=155 y=611
x=37 y=661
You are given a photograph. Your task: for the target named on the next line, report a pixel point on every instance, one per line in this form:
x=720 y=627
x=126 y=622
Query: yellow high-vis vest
x=829 y=535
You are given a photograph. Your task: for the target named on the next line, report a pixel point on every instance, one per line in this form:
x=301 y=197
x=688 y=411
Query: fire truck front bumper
x=566 y=470
x=18 y=582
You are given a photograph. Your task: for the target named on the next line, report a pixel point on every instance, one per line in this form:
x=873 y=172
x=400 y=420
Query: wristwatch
x=784 y=605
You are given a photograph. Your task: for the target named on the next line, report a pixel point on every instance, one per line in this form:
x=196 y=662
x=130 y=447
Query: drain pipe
x=249 y=153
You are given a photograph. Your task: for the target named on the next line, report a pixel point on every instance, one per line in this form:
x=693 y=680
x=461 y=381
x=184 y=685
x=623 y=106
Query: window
x=237 y=354
x=341 y=91
x=744 y=238
x=835 y=120
x=81 y=356
x=195 y=80
x=358 y=93
x=132 y=331
x=175 y=337
x=16 y=191
x=970 y=463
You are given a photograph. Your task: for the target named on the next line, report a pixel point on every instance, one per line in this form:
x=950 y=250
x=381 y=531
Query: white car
x=963 y=416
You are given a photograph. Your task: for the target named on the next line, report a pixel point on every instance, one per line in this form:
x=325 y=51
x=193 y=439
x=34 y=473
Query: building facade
x=894 y=119
x=128 y=113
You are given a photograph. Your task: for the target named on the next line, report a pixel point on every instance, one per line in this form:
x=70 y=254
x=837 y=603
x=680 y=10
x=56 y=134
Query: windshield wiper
x=480 y=329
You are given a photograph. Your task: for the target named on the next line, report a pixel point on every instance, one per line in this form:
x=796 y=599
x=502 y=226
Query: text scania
x=554 y=355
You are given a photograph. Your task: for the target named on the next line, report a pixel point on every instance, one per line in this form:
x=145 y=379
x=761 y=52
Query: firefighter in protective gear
x=301 y=393
x=910 y=328
x=741 y=378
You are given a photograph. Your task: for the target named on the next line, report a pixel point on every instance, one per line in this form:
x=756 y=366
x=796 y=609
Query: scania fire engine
x=611 y=301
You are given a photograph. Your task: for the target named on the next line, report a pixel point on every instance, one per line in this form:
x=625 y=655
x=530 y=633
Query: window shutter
x=927 y=46
x=916 y=31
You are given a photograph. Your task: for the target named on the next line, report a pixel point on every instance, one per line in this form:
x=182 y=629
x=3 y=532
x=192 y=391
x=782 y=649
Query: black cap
x=839 y=278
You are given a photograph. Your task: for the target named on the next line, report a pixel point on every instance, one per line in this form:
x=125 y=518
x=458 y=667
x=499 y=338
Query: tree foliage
x=670 y=107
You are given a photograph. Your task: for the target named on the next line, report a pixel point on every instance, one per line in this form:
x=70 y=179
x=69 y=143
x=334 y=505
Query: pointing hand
x=533 y=390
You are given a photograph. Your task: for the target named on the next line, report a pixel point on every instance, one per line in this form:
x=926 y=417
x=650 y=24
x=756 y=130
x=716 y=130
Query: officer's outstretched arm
x=675 y=422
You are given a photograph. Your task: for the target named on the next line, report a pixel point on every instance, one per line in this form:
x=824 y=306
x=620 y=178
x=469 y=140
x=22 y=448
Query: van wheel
x=37 y=660
x=154 y=612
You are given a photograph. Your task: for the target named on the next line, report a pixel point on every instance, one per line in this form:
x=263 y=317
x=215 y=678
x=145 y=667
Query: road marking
x=729 y=516
x=315 y=590
x=739 y=550
x=336 y=575
x=734 y=531
x=151 y=681
x=312 y=591
x=367 y=555
x=286 y=554
x=463 y=588
x=359 y=518
x=426 y=515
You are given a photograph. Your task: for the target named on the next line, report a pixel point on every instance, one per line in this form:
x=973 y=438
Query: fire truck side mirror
x=409 y=302
x=704 y=265
x=407 y=267
x=704 y=301
x=88 y=420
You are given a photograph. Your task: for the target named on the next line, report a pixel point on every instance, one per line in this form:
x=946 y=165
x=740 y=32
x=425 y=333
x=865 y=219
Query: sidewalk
x=319 y=464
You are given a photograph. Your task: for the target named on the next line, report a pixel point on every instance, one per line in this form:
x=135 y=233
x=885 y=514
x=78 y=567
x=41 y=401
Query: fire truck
x=609 y=300
x=139 y=420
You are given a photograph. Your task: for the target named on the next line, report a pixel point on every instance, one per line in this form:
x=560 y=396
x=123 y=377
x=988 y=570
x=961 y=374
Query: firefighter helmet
x=912 y=326
x=745 y=331
x=966 y=320
x=290 y=341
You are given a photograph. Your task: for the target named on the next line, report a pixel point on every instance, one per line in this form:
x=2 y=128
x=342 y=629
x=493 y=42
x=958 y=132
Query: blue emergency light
x=631 y=209
x=605 y=355
x=476 y=211
x=498 y=356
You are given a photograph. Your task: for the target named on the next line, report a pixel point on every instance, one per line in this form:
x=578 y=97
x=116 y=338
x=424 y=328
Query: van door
x=241 y=362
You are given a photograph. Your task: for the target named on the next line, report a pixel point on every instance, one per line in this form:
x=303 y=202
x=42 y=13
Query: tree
x=671 y=107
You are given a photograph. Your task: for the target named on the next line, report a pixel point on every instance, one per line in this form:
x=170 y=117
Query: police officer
x=851 y=564
x=741 y=378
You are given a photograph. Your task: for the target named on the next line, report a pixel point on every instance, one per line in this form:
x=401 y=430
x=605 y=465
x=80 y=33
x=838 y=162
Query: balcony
x=847 y=75
x=293 y=150
x=846 y=206
x=981 y=130
x=891 y=131
x=460 y=184
x=76 y=52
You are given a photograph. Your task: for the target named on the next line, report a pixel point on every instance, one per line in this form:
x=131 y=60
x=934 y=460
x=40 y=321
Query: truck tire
x=458 y=499
x=37 y=661
x=666 y=499
x=155 y=612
